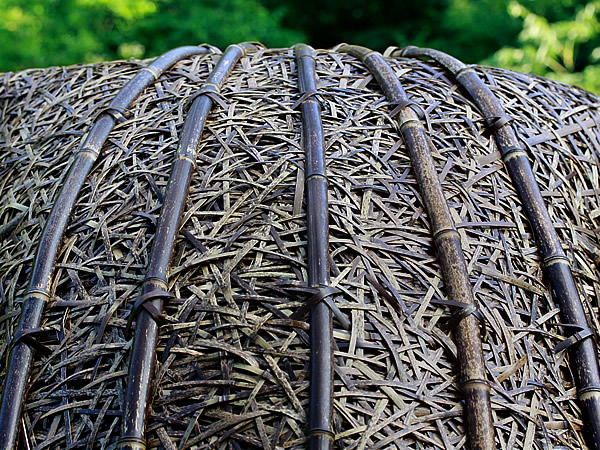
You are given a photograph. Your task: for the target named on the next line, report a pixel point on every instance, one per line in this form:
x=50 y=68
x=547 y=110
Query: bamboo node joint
x=410 y=123
x=155 y=73
x=131 y=443
x=512 y=152
x=37 y=294
x=187 y=157
x=588 y=392
x=557 y=259
x=475 y=381
x=88 y=150
x=322 y=432
x=463 y=70
x=317 y=175
x=445 y=232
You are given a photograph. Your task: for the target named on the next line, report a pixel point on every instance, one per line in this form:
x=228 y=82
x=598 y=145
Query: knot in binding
x=250 y=45
x=209 y=90
x=118 y=114
x=211 y=49
x=34 y=338
x=583 y=332
x=307 y=95
x=462 y=311
x=321 y=294
x=37 y=339
x=143 y=301
x=403 y=51
x=494 y=123
x=391 y=51
x=401 y=105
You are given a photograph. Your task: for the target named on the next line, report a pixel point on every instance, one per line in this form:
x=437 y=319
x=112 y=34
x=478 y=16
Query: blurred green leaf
x=565 y=50
x=557 y=38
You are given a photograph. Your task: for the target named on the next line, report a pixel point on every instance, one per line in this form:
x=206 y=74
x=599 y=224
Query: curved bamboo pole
x=149 y=306
x=449 y=250
x=555 y=261
x=320 y=435
x=38 y=293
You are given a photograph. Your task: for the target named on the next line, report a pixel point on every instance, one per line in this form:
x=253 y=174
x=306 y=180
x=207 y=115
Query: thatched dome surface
x=232 y=366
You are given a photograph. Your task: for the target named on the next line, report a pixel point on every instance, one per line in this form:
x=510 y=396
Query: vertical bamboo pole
x=449 y=250
x=321 y=435
x=556 y=263
x=38 y=293
x=149 y=306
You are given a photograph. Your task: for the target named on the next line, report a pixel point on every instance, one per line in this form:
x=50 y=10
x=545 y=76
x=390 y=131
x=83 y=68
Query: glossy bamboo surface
x=449 y=250
x=321 y=434
x=556 y=263
x=233 y=354
x=154 y=289
x=39 y=293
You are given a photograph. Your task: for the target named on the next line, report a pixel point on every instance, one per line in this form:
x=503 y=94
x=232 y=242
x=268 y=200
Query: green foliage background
x=555 y=38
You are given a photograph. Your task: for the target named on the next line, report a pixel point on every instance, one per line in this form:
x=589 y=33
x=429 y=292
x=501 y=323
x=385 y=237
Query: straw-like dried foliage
x=233 y=357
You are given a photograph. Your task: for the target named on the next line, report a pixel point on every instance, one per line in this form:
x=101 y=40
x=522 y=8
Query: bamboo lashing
x=556 y=263
x=473 y=379
x=320 y=434
x=149 y=306
x=39 y=293
x=233 y=352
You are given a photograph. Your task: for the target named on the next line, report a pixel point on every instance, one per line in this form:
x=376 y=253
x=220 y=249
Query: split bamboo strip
x=149 y=306
x=233 y=360
x=38 y=293
x=556 y=263
x=449 y=250
x=321 y=435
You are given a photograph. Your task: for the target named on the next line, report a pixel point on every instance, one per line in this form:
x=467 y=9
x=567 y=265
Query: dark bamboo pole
x=555 y=261
x=321 y=435
x=149 y=306
x=449 y=250
x=38 y=293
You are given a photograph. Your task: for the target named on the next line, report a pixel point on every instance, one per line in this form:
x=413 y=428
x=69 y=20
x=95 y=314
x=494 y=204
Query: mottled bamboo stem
x=154 y=289
x=449 y=250
x=555 y=261
x=321 y=434
x=38 y=293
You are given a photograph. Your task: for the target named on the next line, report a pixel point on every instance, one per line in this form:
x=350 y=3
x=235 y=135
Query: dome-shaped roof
x=233 y=322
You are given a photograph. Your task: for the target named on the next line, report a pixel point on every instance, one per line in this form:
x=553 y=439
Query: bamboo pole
x=556 y=263
x=449 y=251
x=149 y=306
x=321 y=435
x=38 y=293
